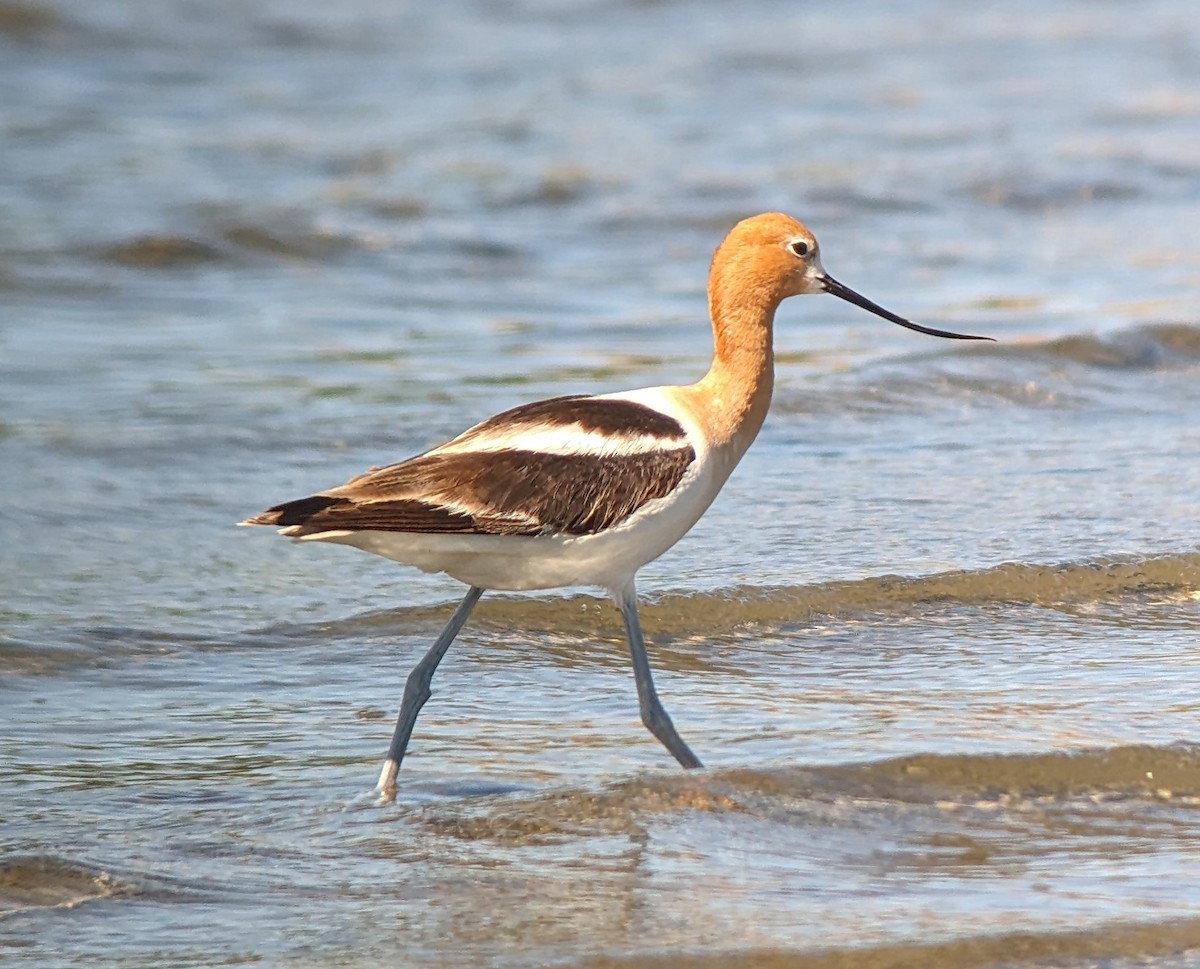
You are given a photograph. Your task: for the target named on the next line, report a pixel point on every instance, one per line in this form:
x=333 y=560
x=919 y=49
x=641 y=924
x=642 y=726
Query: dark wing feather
x=604 y=415
x=320 y=513
x=509 y=491
x=492 y=493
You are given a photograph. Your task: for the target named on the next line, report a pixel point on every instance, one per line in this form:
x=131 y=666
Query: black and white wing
x=566 y=466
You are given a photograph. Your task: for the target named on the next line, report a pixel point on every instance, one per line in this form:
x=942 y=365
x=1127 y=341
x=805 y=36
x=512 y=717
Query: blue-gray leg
x=416 y=692
x=653 y=715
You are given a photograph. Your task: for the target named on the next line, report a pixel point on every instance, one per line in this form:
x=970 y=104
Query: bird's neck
x=736 y=391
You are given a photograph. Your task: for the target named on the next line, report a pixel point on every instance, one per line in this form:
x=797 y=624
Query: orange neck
x=733 y=397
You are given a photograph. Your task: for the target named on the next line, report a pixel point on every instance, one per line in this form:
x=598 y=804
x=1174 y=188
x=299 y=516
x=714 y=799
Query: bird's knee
x=416 y=688
x=655 y=719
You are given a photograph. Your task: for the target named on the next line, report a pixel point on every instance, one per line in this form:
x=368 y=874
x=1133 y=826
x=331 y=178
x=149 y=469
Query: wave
x=91 y=647
x=1008 y=584
x=929 y=818
x=1165 y=577
x=1171 y=578
x=1088 y=779
x=43 y=881
x=1128 y=944
x=1149 y=347
x=234 y=243
x=1065 y=373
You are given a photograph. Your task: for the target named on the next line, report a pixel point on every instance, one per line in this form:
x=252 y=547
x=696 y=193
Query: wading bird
x=584 y=490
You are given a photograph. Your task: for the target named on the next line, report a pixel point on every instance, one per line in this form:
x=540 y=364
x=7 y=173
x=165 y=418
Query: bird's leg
x=653 y=715
x=416 y=692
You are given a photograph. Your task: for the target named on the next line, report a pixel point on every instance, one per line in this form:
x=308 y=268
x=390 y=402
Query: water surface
x=935 y=643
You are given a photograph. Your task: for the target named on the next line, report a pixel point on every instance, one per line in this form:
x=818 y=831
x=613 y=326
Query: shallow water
x=935 y=643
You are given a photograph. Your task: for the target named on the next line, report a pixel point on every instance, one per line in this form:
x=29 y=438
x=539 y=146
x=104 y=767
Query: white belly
x=607 y=559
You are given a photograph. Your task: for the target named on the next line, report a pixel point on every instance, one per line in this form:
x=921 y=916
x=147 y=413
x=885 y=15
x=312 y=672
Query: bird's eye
x=800 y=248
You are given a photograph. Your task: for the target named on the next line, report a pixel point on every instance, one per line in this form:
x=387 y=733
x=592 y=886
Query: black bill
x=850 y=296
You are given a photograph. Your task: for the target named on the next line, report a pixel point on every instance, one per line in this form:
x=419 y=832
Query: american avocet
x=586 y=489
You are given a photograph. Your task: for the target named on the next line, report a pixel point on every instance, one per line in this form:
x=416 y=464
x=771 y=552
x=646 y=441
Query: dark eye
x=799 y=248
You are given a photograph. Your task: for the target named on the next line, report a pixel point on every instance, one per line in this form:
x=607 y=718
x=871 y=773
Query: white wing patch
x=573 y=439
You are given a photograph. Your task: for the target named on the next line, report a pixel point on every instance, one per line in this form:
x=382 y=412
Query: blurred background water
x=935 y=642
